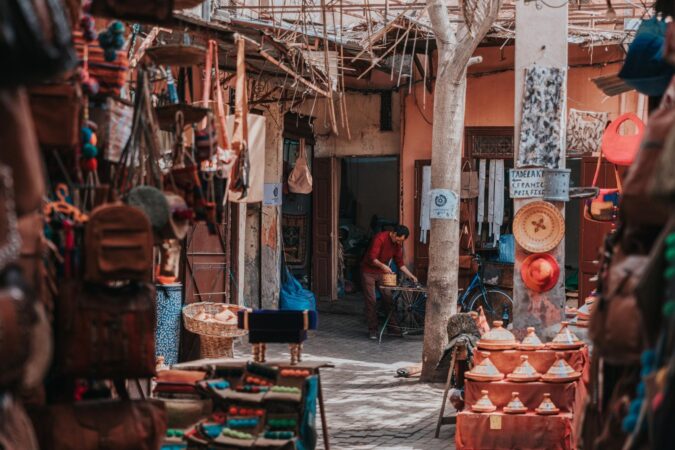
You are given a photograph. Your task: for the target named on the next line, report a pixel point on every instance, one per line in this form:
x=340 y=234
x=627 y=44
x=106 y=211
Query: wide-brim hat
x=540 y=272
x=179 y=217
x=538 y=227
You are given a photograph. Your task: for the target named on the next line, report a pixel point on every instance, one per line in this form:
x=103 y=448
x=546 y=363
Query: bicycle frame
x=476 y=283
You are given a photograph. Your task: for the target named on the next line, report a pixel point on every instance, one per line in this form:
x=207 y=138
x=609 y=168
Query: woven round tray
x=216 y=338
x=538 y=227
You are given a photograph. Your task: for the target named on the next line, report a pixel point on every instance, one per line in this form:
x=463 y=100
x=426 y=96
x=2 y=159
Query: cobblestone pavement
x=367 y=407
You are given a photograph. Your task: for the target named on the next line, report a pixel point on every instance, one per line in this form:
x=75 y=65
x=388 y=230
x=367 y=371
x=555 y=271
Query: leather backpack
x=16 y=320
x=105 y=332
x=118 y=244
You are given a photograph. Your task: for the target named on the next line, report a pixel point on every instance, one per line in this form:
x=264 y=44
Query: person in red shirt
x=385 y=246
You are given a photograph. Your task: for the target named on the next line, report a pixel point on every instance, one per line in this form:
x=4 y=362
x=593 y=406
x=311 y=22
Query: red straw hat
x=540 y=272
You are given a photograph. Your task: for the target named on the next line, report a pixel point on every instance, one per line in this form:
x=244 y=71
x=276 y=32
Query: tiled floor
x=367 y=406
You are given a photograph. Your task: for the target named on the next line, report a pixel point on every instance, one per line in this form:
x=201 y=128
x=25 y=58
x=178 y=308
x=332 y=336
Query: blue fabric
x=293 y=296
x=645 y=69
x=167 y=332
x=507 y=249
x=308 y=425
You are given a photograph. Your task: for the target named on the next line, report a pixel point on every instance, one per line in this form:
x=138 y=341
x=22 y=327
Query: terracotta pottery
x=531 y=341
x=560 y=371
x=547 y=407
x=524 y=372
x=485 y=371
x=565 y=339
x=483 y=404
x=515 y=406
x=498 y=338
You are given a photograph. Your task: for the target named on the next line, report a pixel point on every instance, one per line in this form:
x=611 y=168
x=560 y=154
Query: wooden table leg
x=322 y=411
x=448 y=382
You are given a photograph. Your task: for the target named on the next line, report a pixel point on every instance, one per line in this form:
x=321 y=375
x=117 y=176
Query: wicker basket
x=216 y=338
x=389 y=280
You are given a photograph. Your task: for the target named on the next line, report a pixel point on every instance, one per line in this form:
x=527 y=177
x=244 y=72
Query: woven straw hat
x=538 y=227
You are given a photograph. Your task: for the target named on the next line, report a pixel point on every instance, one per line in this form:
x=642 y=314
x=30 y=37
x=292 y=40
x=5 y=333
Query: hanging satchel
x=35 y=43
x=16 y=318
x=621 y=149
x=22 y=152
x=149 y=11
x=118 y=244
x=469 y=188
x=602 y=208
x=56 y=113
x=116 y=129
x=615 y=326
x=584 y=132
x=106 y=332
x=300 y=178
x=101 y=424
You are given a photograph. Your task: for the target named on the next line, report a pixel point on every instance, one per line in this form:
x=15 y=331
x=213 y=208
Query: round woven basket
x=216 y=338
x=389 y=280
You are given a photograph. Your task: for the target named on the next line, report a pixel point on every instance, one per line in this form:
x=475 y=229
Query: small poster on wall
x=444 y=204
x=526 y=183
x=272 y=195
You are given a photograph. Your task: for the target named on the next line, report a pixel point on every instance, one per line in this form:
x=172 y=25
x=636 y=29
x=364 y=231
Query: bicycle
x=496 y=304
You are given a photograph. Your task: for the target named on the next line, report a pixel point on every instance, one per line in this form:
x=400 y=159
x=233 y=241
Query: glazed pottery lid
x=525 y=369
x=531 y=340
x=585 y=311
x=565 y=336
x=498 y=335
x=560 y=368
x=515 y=403
x=483 y=403
x=486 y=368
x=547 y=405
x=538 y=227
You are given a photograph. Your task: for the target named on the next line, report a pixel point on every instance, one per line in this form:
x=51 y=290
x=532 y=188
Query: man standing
x=385 y=246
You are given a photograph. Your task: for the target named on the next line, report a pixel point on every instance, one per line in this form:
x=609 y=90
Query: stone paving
x=367 y=406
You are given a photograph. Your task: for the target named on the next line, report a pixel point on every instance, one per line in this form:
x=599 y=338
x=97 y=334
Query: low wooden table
x=312 y=366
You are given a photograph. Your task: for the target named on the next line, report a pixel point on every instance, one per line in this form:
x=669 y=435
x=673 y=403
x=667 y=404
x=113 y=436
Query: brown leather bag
x=21 y=150
x=56 y=113
x=152 y=11
x=615 y=325
x=300 y=178
x=16 y=318
x=118 y=244
x=101 y=425
x=106 y=332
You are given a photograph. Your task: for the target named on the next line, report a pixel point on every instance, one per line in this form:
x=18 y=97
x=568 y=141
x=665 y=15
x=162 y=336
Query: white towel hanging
x=499 y=200
x=425 y=209
x=481 y=196
x=491 y=197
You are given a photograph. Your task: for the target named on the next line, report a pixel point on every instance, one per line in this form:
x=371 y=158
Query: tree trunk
x=456 y=44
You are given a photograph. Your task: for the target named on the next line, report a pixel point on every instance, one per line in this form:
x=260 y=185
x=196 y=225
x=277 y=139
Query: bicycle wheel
x=497 y=306
x=410 y=309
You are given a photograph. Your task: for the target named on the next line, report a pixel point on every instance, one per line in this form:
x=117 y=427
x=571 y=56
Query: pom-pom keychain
x=89 y=150
x=112 y=40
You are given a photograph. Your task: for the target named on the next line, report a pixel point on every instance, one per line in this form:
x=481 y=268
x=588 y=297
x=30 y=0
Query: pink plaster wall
x=490 y=102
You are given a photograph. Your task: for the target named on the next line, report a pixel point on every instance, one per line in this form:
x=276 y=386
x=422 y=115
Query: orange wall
x=490 y=102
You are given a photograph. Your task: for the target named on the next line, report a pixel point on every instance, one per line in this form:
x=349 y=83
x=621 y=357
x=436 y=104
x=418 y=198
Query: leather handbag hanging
x=17 y=131
x=118 y=244
x=150 y=11
x=35 y=43
x=56 y=113
x=621 y=149
x=300 y=178
x=106 y=332
x=615 y=325
x=101 y=425
x=602 y=208
x=469 y=188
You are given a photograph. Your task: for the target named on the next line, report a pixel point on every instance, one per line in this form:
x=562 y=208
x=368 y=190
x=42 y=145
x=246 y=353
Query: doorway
x=369 y=203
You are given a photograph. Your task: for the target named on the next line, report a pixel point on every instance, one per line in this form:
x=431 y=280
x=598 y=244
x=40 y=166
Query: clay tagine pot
x=485 y=371
x=547 y=407
x=531 y=341
x=483 y=404
x=515 y=406
x=524 y=372
x=565 y=339
x=498 y=338
x=586 y=310
x=560 y=371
